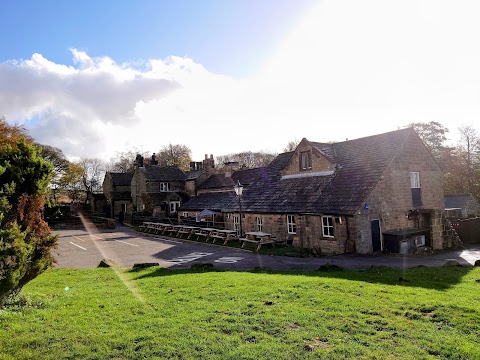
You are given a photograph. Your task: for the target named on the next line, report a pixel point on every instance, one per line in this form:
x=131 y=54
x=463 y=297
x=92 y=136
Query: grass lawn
x=420 y=313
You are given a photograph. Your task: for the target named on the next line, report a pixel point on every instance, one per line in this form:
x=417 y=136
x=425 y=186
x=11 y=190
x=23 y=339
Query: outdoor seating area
x=206 y=234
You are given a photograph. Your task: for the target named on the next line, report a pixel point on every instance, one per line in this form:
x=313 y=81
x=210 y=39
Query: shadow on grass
x=424 y=277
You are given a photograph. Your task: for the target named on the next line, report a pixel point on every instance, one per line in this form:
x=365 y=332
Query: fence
x=468 y=230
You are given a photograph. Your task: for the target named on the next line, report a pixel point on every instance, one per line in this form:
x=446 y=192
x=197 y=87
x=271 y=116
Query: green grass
x=420 y=313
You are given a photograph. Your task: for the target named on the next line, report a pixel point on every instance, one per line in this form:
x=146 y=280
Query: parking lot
x=82 y=249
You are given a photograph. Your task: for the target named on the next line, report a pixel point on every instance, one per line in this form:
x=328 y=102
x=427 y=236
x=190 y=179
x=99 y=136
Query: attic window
x=305 y=160
x=164 y=186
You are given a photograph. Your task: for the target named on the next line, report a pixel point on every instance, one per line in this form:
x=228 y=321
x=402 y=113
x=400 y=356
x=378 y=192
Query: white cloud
x=350 y=69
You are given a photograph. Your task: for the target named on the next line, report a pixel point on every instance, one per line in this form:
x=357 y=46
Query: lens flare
x=93 y=232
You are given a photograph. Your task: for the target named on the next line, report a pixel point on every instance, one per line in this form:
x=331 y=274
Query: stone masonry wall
x=319 y=162
x=391 y=199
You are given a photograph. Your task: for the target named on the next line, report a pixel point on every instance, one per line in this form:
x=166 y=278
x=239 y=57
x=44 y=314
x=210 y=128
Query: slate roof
x=163 y=173
x=215 y=201
x=192 y=175
x=458 y=201
x=360 y=164
x=245 y=176
x=121 y=195
x=121 y=179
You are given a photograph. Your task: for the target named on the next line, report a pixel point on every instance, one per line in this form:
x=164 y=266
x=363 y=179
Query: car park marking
x=189 y=257
x=81 y=247
x=124 y=242
x=229 y=259
x=78 y=238
x=172 y=241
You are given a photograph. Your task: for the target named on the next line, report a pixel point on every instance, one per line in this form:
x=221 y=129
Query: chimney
x=230 y=167
x=154 y=161
x=139 y=160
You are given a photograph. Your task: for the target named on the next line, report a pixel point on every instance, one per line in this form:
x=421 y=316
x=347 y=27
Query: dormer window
x=305 y=160
x=164 y=186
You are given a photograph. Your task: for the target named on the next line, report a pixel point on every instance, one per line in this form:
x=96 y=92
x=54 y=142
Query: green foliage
x=371 y=314
x=25 y=239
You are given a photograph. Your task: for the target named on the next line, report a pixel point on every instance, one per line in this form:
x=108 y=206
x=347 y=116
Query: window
x=124 y=208
x=236 y=223
x=259 y=223
x=185 y=214
x=327 y=226
x=174 y=205
x=291 y=226
x=305 y=160
x=415 y=180
x=164 y=186
x=416 y=190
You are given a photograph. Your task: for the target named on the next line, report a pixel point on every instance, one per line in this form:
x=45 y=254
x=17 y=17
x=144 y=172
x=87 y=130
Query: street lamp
x=239 y=190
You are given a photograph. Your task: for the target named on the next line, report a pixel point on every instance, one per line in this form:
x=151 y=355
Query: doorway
x=376 y=235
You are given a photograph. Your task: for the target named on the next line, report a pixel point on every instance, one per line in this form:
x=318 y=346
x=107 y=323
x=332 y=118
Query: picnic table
x=204 y=232
x=257 y=237
x=186 y=229
x=225 y=235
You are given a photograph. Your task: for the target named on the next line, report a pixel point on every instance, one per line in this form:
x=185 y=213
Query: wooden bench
x=258 y=242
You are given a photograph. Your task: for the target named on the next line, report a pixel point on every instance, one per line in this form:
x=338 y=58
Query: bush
x=25 y=238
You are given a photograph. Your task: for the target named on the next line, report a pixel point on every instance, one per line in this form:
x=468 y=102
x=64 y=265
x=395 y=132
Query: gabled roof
x=326 y=150
x=121 y=179
x=163 y=173
x=360 y=163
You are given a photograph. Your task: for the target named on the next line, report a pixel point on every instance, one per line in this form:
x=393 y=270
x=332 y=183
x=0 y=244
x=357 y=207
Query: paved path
x=80 y=249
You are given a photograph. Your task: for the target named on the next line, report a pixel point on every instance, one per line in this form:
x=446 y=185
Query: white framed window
x=236 y=223
x=327 y=226
x=305 y=160
x=185 y=214
x=164 y=186
x=415 y=180
x=291 y=225
x=174 y=205
x=259 y=223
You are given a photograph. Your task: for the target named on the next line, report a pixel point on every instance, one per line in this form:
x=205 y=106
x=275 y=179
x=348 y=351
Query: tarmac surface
x=79 y=248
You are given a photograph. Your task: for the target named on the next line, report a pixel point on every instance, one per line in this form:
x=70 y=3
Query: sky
x=98 y=77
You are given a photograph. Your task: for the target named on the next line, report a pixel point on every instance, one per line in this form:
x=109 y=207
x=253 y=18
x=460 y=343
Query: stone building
x=117 y=192
x=382 y=192
x=157 y=190
x=462 y=206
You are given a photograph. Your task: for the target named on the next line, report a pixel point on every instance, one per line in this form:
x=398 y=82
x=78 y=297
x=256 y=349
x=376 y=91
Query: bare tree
x=93 y=172
x=469 y=151
x=292 y=145
x=247 y=159
x=175 y=155
x=123 y=162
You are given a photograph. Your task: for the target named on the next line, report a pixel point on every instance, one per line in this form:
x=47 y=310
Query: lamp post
x=239 y=190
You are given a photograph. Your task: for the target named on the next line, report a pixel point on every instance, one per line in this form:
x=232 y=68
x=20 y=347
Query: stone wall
x=309 y=231
x=391 y=199
x=319 y=162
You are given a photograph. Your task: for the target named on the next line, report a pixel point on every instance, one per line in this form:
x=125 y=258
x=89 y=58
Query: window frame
x=236 y=223
x=305 y=160
x=328 y=229
x=415 y=180
x=291 y=224
x=259 y=223
x=164 y=186
x=176 y=205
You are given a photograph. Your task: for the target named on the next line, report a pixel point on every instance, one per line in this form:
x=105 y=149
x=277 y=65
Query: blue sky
x=226 y=36
x=97 y=77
